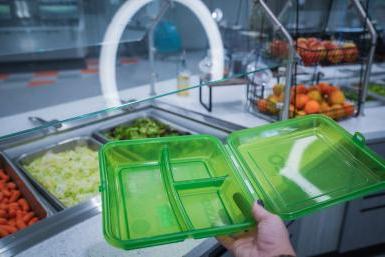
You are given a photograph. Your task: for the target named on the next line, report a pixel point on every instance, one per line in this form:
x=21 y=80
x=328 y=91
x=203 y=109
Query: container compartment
x=56 y=183
x=214 y=202
x=305 y=164
x=165 y=189
x=205 y=207
x=146 y=212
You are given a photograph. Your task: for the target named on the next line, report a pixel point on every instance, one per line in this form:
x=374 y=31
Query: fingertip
x=226 y=241
x=259 y=211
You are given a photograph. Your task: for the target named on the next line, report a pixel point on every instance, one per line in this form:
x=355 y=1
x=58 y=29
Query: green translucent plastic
x=163 y=190
x=305 y=164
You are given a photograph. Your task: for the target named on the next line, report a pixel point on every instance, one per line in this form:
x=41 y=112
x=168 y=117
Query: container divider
x=166 y=174
x=199 y=183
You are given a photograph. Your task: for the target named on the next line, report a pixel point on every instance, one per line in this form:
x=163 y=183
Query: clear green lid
x=305 y=164
x=163 y=190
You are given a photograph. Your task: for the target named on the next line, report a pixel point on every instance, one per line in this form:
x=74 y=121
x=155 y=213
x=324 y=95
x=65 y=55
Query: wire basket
x=321 y=98
x=313 y=51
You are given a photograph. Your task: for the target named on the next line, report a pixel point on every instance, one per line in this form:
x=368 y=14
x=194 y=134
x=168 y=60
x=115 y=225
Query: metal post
x=289 y=66
x=151 y=59
x=369 y=63
x=151 y=48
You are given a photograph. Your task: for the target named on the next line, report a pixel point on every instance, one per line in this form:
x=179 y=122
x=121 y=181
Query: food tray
x=34 y=199
x=180 y=186
x=163 y=190
x=102 y=136
x=56 y=148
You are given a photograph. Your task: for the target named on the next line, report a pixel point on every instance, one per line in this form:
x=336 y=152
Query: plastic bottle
x=183 y=77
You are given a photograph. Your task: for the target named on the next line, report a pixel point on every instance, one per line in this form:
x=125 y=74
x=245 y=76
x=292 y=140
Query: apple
x=279 y=48
x=322 y=52
x=334 y=54
x=350 y=52
x=312 y=39
x=301 y=40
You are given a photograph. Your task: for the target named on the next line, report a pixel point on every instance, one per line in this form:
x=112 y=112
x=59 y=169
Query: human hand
x=269 y=239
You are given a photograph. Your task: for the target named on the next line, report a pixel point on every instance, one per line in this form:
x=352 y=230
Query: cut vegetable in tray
x=72 y=176
x=142 y=128
x=15 y=212
x=377 y=88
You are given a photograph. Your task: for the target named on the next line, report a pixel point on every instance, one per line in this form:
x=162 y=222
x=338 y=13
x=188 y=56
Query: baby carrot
x=20 y=224
x=11 y=185
x=12 y=222
x=14 y=196
x=9 y=228
x=27 y=217
x=3 y=214
x=3 y=232
x=32 y=221
x=23 y=204
x=14 y=206
x=3 y=175
x=6 y=192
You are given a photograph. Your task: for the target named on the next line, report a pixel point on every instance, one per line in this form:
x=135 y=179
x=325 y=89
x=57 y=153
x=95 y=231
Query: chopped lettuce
x=72 y=176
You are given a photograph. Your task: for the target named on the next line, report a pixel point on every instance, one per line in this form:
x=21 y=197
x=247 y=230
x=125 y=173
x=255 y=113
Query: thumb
x=260 y=213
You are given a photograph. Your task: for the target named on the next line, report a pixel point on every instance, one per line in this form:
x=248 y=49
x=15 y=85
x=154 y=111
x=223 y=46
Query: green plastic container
x=163 y=190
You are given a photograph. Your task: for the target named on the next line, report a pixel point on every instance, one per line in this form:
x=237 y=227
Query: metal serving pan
x=101 y=135
x=62 y=146
x=38 y=205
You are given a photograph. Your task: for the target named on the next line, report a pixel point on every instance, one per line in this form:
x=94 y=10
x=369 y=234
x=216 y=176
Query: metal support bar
x=289 y=66
x=151 y=48
x=368 y=69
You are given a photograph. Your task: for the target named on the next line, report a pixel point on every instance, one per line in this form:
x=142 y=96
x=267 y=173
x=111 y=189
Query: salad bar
x=46 y=205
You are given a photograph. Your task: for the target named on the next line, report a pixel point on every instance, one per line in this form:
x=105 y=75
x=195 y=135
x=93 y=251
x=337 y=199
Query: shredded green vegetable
x=142 y=128
x=72 y=176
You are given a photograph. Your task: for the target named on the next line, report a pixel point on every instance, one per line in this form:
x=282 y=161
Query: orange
x=278 y=89
x=324 y=107
x=315 y=95
x=312 y=106
x=301 y=100
x=262 y=105
x=324 y=88
x=299 y=89
x=336 y=97
x=348 y=108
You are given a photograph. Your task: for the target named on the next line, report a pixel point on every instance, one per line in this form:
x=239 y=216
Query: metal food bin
x=38 y=205
x=102 y=136
x=62 y=146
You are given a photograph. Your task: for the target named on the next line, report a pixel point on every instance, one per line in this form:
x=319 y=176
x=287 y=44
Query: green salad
x=377 y=88
x=72 y=176
x=142 y=128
